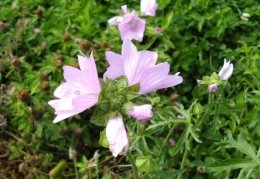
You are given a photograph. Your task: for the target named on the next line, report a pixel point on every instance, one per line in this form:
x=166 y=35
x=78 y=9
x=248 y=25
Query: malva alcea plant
x=129 y=75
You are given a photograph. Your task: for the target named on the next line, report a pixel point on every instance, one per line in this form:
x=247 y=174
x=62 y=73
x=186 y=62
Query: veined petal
x=79 y=92
x=131 y=27
x=226 y=71
x=61 y=104
x=116 y=68
x=117 y=136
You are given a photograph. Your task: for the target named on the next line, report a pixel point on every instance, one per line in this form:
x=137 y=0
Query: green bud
x=198 y=109
x=144 y=164
x=103 y=139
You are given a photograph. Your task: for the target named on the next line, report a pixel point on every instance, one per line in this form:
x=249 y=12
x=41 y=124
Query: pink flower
x=140 y=68
x=131 y=27
x=226 y=71
x=124 y=8
x=116 y=136
x=79 y=92
x=148 y=7
x=213 y=88
x=142 y=113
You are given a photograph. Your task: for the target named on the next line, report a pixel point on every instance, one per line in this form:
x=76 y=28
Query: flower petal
x=116 y=136
x=116 y=68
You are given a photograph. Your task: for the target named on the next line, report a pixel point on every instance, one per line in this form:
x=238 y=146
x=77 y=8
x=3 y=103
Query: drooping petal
x=142 y=113
x=117 y=136
x=131 y=27
x=226 y=71
x=149 y=7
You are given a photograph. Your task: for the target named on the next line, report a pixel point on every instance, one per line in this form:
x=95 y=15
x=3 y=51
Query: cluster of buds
x=215 y=80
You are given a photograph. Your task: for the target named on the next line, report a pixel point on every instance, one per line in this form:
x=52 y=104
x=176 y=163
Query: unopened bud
x=36 y=31
x=213 y=88
x=72 y=153
x=43 y=46
x=66 y=37
x=171 y=142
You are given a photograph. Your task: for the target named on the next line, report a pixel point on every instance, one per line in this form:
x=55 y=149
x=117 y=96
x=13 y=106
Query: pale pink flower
x=226 y=71
x=142 y=113
x=140 y=68
x=212 y=88
x=79 y=92
x=148 y=7
x=124 y=8
x=131 y=27
x=117 y=136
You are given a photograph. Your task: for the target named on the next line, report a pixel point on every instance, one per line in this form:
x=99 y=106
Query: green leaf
x=103 y=139
x=144 y=163
x=134 y=88
x=180 y=142
x=231 y=164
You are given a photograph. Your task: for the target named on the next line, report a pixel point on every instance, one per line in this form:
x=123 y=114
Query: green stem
x=131 y=159
x=183 y=161
x=75 y=168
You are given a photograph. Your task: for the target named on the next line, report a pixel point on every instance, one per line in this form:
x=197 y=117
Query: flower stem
x=183 y=161
x=131 y=159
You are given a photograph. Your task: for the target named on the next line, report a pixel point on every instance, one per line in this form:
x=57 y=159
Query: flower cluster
x=130 y=74
x=216 y=79
x=131 y=26
x=82 y=90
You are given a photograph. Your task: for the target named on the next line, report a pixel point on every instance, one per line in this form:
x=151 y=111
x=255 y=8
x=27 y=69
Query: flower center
x=77 y=92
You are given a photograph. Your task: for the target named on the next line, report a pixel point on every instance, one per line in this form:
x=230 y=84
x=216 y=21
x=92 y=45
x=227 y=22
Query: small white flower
x=226 y=71
x=116 y=136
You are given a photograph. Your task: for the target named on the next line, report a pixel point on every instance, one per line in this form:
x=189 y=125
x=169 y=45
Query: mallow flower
x=130 y=25
x=226 y=71
x=139 y=67
x=116 y=135
x=149 y=7
x=80 y=90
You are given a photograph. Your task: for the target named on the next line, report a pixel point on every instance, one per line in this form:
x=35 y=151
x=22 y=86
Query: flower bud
x=198 y=109
x=43 y=46
x=116 y=136
x=36 y=31
x=142 y=113
x=144 y=163
x=45 y=86
x=66 y=37
x=226 y=71
x=213 y=88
